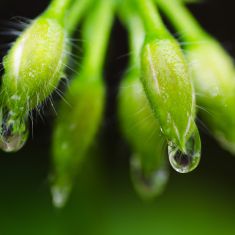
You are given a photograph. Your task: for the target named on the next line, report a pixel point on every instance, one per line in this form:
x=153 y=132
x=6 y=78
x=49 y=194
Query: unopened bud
x=75 y=129
x=167 y=83
x=214 y=80
x=141 y=129
x=34 y=65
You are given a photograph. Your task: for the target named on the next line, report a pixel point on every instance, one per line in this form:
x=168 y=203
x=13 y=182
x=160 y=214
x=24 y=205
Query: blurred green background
x=104 y=202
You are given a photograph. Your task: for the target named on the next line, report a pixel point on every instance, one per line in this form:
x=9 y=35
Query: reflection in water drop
x=14 y=133
x=148 y=185
x=187 y=160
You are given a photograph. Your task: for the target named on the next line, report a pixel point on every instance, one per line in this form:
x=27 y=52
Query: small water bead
x=148 y=185
x=14 y=133
x=59 y=196
x=187 y=160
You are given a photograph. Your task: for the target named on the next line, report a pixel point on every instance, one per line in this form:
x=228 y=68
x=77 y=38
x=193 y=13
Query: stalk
x=135 y=29
x=97 y=27
x=58 y=10
x=76 y=12
x=182 y=19
x=154 y=25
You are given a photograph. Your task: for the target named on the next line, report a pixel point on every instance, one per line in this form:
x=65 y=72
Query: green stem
x=136 y=31
x=76 y=12
x=58 y=9
x=182 y=19
x=154 y=25
x=136 y=40
x=96 y=32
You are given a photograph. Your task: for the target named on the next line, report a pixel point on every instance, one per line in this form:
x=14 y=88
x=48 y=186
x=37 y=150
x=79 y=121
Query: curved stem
x=136 y=40
x=76 y=12
x=154 y=25
x=58 y=9
x=136 y=31
x=96 y=32
x=182 y=19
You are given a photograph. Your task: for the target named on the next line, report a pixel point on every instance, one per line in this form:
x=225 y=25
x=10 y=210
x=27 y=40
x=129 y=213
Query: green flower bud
x=33 y=68
x=34 y=65
x=142 y=131
x=75 y=129
x=78 y=123
x=214 y=80
x=213 y=73
x=167 y=84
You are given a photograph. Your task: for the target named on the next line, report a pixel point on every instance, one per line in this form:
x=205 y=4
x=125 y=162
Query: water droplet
x=148 y=185
x=14 y=133
x=187 y=160
x=59 y=196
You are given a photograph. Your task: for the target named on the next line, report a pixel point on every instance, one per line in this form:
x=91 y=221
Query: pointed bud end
x=150 y=185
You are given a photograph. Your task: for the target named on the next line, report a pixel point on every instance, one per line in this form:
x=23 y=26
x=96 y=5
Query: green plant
x=157 y=97
x=79 y=119
x=213 y=73
x=149 y=171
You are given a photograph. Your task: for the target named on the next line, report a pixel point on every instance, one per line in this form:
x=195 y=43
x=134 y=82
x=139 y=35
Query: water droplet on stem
x=184 y=161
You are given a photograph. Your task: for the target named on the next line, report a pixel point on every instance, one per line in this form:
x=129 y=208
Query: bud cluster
x=157 y=98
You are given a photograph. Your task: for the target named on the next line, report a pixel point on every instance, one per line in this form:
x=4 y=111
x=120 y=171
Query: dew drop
x=150 y=185
x=59 y=196
x=187 y=160
x=14 y=133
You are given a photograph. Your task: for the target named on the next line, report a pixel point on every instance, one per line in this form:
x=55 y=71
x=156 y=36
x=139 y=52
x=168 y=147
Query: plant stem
x=136 y=31
x=58 y=9
x=182 y=19
x=76 y=12
x=96 y=32
x=136 y=40
x=154 y=25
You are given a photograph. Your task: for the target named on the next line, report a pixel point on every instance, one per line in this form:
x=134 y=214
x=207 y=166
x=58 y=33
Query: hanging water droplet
x=59 y=196
x=187 y=160
x=148 y=185
x=14 y=133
